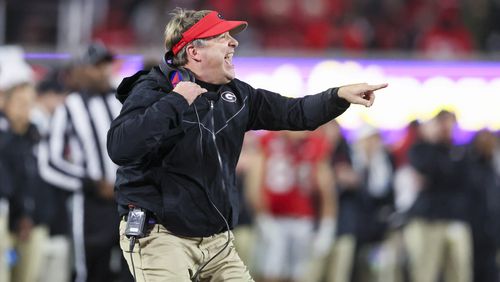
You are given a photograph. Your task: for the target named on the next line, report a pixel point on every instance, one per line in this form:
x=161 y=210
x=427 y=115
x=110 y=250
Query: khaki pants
x=162 y=256
x=342 y=259
x=380 y=262
x=391 y=264
x=335 y=266
x=4 y=247
x=29 y=265
x=56 y=260
x=436 y=246
x=244 y=241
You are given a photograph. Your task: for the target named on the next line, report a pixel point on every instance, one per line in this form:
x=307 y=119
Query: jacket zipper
x=215 y=144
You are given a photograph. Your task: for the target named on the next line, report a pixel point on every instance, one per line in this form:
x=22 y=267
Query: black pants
x=97 y=259
x=485 y=268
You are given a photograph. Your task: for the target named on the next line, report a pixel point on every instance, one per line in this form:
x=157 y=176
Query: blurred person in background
x=50 y=94
x=5 y=191
x=363 y=175
x=244 y=232
x=177 y=147
x=337 y=263
x=71 y=75
x=14 y=71
x=57 y=254
x=437 y=236
x=341 y=261
x=77 y=149
x=374 y=165
x=406 y=179
x=30 y=204
x=483 y=183
x=407 y=183
x=294 y=170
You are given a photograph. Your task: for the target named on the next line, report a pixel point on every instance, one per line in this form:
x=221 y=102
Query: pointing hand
x=361 y=93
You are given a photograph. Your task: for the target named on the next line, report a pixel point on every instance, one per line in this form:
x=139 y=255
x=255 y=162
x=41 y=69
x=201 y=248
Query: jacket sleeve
x=272 y=111
x=150 y=122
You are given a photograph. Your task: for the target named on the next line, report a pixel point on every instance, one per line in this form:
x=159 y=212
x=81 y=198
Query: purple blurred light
x=46 y=56
x=64 y=56
x=419 y=69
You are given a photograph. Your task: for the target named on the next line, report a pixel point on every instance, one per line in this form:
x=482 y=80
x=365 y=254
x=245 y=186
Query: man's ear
x=193 y=53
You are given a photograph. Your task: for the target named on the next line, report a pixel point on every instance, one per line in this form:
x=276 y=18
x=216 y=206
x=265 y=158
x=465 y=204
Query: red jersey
x=290 y=172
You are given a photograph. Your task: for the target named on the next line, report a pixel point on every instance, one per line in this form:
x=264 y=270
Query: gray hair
x=181 y=21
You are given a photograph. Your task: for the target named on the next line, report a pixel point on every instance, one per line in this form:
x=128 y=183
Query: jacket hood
x=154 y=75
x=125 y=87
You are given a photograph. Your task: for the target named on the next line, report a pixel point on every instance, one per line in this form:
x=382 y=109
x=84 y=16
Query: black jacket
x=483 y=192
x=30 y=197
x=5 y=177
x=176 y=158
x=444 y=195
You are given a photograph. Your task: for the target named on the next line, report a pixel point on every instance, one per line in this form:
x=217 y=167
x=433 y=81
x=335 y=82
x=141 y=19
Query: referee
x=77 y=150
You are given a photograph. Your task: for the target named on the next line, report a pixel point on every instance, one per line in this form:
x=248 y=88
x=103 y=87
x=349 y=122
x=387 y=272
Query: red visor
x=210 y=25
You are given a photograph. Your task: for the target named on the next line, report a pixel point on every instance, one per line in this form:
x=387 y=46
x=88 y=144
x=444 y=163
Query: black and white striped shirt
x=77 y=144
x=77 y=151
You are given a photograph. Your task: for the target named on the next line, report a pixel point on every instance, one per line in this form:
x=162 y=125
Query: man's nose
x=233 y=42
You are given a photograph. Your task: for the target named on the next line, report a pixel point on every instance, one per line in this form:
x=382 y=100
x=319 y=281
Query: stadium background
x=434 y=54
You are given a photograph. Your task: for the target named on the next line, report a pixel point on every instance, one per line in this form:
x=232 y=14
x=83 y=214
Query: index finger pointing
x=378 y=86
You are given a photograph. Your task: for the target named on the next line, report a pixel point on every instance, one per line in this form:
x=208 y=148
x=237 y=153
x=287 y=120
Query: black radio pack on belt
x=135 y=223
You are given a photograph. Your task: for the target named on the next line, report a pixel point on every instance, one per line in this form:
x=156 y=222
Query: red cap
x=210 y=25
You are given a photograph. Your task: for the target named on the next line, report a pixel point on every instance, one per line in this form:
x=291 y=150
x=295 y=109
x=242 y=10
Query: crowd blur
x=328 y=208
x=58 y=218
x=444 y=28
x=318 y=206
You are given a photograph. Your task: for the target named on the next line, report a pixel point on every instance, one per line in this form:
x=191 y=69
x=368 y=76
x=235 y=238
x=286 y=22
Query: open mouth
x=229 y=59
